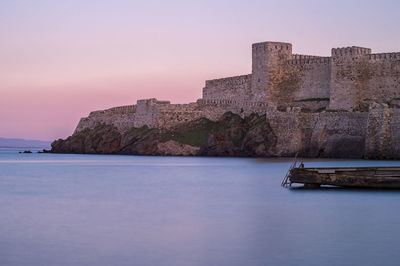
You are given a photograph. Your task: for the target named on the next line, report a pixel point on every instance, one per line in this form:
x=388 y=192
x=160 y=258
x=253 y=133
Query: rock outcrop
x=281 y=134
x=230 y=136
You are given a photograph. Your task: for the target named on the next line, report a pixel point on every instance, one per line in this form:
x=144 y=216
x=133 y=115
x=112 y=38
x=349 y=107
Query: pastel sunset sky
x=59 y=60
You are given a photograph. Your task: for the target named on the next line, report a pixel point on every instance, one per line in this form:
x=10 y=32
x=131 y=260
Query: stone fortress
x=351 y=96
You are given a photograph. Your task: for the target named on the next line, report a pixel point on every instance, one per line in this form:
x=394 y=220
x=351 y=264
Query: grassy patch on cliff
x=259 y=122
x=99 y=131
x=232 y=125
x=136 y=131
x=194 y=133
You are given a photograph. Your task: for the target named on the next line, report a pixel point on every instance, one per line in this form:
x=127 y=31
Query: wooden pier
x=368 y=177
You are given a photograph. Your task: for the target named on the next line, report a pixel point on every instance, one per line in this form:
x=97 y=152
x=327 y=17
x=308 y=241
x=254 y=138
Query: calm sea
x=134 y=210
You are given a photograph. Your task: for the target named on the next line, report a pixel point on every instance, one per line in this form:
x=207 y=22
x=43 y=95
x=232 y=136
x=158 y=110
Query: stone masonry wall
x=352 y=78
x=169 y=115
x=318 y=134
x=383 y=133
x=233 y=88
x=267 y=57
x=348 y=77
x=146 y=112
x=214 y=109
x=384 y=83
x=122 y=117
x=162 y=114
x=314 y=77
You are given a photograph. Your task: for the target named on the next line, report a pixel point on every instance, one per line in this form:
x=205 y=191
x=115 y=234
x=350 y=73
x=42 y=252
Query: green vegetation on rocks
x=231 y=135
x=194 y=133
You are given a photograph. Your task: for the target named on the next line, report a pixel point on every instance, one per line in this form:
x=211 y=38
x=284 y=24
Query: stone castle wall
x=352 y=78
x=383 y=137
x=121 y=117
x=163 y=114
x=233 y=88
x=267 y=58
x=296 y=80
x=372 y=135
x=384 y=83
x=349 y=77
x=329 y=134
x=214 y=109
x=359 y=79
x=167 y=116
x=313 y=76
x=146 y=112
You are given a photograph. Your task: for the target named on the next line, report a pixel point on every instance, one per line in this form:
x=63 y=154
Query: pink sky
x=59 y=60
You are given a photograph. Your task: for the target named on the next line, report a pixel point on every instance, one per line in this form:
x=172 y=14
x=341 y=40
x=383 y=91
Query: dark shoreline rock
x=45 y=151
x=26 y=151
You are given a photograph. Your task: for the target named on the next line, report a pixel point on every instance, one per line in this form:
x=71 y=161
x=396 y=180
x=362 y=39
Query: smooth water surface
x=132 y=210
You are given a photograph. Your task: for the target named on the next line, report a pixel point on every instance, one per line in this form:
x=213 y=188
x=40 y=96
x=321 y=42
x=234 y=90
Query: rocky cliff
x=325 y=134
x=229 y=136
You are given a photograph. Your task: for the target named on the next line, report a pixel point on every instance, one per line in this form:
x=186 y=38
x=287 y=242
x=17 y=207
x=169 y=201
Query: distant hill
x=23 y=143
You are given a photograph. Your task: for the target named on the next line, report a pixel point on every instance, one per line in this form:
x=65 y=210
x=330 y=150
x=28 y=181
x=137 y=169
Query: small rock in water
x=44 y=151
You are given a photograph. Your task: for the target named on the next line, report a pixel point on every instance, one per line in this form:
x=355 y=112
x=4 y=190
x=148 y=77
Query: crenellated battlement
x=271 y=46
x=302 y=57
x=350 y=51
x=231 y=102
x=151 y=101
x=122 y=109
x=310 y=60
x=384 y=56
x=236 y=79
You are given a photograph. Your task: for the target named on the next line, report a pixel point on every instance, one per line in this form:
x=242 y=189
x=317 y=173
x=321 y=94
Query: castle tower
x=266 y=56
x=349 y=78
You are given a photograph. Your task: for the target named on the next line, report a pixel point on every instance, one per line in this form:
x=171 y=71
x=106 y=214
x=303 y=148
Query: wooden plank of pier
x=374 y=177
